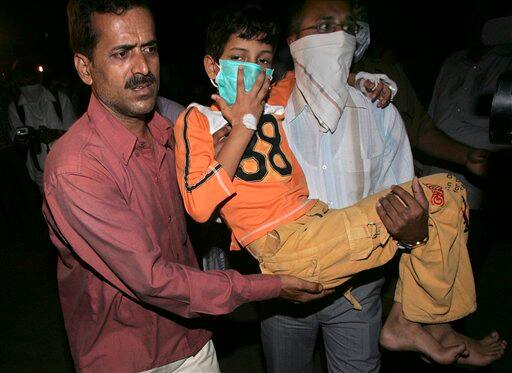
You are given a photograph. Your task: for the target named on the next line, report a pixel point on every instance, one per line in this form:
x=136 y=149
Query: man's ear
x=83 y=67
x=210 y=66
x=290 y=39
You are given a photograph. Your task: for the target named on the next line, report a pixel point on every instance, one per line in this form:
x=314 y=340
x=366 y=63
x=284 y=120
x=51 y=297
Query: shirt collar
x=216 y=120
x=118 y=137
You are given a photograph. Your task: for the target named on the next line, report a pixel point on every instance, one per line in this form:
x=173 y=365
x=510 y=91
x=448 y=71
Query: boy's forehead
x=236 y=42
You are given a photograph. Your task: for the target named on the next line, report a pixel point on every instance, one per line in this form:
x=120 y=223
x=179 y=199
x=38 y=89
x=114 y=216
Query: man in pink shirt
x=128 y=276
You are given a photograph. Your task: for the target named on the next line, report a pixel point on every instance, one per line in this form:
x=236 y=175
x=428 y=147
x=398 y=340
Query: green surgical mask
x=226 y=79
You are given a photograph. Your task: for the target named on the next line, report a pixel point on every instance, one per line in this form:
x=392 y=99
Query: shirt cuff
x=264 y=287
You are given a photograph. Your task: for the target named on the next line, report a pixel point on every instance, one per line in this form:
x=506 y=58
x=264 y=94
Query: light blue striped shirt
x=368 y=152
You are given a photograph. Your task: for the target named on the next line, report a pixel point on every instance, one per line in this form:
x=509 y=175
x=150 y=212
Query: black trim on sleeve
x=187 y=159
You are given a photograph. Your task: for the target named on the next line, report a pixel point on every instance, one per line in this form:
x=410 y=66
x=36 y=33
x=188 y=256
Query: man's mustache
x=140 y=79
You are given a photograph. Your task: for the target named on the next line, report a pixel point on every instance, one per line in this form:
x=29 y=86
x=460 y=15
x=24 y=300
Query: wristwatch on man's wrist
x=403 y=245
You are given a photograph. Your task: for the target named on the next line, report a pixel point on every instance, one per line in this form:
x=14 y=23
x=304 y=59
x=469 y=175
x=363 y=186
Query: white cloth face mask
x=362 y=40
x=322 y=64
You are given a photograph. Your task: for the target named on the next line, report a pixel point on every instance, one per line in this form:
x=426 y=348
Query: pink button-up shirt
x=128 y=276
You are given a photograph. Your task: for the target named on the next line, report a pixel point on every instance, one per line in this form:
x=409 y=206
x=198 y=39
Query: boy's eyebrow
x=239 y=49
x=245 y=50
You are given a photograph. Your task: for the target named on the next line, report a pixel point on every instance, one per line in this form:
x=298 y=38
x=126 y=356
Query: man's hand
x=380 y=92
x=404 y=216
x=299 y=291
x=219 y=137
x=477 y=161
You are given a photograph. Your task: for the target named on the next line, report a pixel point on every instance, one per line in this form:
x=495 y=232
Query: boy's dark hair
x=82 y=36
x=248 y=22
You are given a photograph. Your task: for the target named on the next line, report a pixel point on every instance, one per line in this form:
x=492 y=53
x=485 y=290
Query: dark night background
x=420 y=33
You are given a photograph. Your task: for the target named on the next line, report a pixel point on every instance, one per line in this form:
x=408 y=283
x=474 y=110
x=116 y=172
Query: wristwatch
x=412 y=245
x=250 y=121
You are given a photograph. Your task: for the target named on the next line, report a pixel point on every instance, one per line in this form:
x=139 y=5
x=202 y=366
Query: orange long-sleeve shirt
x=268 y=189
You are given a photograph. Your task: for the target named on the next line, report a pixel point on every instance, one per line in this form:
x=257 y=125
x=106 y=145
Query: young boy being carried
x=261 y=192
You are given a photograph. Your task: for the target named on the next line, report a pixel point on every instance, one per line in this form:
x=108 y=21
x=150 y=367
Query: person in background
x=422 y=130
x=168 y=109
x=460 y=106
x=37 y=116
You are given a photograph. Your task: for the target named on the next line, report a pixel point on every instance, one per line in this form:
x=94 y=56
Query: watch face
x=250 y=121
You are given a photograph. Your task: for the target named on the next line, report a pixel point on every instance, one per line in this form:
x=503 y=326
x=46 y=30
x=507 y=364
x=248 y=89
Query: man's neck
x=136 y=125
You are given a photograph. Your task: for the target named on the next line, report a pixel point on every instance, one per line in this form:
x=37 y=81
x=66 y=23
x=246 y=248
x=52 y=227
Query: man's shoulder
x=70 y=152
x=168 y=108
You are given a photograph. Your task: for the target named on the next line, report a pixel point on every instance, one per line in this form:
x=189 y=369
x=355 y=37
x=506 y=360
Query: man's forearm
x=437 y=144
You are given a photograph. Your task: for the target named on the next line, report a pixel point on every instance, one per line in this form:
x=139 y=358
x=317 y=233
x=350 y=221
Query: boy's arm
x=203 y=183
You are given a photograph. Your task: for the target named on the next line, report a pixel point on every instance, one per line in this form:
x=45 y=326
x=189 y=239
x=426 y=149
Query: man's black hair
x=82 y=36
x=248 y=22
x=296 y=14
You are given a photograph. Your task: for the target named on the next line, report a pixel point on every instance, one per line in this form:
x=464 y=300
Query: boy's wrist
x=241 y=127
x=240 y=132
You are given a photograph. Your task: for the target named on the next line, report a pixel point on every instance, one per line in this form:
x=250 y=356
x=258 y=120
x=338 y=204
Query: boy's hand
x=220 y=137
x=299 y=291
x=251 y=102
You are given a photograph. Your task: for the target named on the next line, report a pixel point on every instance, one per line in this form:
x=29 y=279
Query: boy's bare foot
x=400 y=334
x=481 y=352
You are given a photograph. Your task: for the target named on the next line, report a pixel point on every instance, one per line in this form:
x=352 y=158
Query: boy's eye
x=237 y=58
x=264 y=61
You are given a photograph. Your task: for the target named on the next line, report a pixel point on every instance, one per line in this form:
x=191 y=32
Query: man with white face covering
x=348 y=149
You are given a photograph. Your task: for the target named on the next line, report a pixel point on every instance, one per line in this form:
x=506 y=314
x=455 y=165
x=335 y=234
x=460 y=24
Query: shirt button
x=136 y=153
x=324 y=167
x=170 y=219
x=475 y=67
x=458 y=110
x=156 y=179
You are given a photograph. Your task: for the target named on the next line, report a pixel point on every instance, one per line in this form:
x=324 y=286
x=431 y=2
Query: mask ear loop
x=213 y=81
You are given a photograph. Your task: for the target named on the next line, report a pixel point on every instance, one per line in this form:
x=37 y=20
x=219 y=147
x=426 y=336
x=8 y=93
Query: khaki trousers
x=331 y=245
